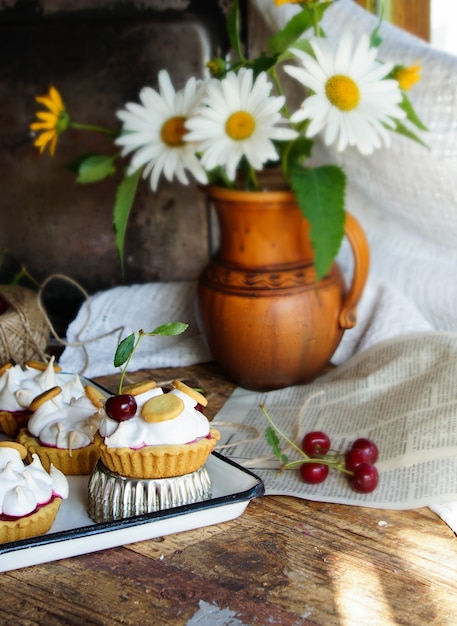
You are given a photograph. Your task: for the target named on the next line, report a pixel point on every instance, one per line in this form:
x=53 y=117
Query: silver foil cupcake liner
x=113 y=497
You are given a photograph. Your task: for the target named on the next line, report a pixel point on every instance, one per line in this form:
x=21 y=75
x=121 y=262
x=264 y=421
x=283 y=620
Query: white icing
x=10 y=385
x=19 y=501
x=23 y=487
x=136 y=432
x=18 y=386
x=67 y=421
x=35 y=382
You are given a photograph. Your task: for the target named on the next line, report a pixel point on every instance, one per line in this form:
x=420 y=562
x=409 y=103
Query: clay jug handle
x=359 y=244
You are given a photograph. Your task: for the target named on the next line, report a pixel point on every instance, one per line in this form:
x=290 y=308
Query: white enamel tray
x=74 y=533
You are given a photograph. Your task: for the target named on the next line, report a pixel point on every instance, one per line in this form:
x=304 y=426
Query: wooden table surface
x=284 y=561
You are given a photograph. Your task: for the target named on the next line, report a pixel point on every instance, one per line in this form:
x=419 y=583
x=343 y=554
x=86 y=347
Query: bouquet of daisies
x=237 y=120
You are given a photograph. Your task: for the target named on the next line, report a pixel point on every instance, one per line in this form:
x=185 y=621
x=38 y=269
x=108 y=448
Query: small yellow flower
x=51 y=122
x=408 y=76
x=216 y=66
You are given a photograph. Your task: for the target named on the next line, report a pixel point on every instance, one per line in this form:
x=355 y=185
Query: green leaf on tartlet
x=320 y=194
x=127 y=347
x=169 y=330
x=124 y=200
x=124 y=350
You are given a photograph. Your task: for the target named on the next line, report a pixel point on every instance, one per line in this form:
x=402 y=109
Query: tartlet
x=30 y=497
x=62 y=426
x=159 y=454
x=18 y=387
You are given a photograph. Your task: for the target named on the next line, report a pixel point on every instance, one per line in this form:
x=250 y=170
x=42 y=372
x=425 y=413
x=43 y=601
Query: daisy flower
x=51 y=122
x=155 y=131
x=239 y=119
x=351 y=101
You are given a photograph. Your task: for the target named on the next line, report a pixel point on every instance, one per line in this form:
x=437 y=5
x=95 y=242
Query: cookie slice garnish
x=95 y=396
x=16 y=446
x=49 y=394
x=193 y=393
x=162 y=408
x=136 y=388
x=41 y=365
x=6 y=366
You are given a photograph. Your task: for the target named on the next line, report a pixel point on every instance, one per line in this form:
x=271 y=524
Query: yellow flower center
x=240 y=125
x=173 y=131
x=342 y=92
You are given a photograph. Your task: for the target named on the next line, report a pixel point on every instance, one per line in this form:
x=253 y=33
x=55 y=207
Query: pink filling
x=208 y=436
x=13 y=518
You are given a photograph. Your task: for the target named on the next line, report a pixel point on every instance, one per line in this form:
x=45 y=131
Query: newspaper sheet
x=401 y=393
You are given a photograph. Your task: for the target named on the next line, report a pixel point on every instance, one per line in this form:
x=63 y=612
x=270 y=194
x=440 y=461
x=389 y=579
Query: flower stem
x=92 y=127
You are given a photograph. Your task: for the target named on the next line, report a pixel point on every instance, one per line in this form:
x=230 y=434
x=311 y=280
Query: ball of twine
x=24 y=331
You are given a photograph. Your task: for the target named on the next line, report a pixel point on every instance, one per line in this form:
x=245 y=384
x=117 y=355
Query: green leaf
x=263 y=63
x=170 y=329
x=124 y=199
x=95 y=167
x=320 y=194
x=273 y=441
x=401 y=129
x=301 y=44
x=124 y=350
x=295 y=27
x=285 y=38
x=411 y=113
x=233 y=29
x=299 y=148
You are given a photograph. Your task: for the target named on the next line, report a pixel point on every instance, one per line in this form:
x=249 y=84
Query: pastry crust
x=163 y=461
x=11 y=423
x=80 y=461
x=33 y=525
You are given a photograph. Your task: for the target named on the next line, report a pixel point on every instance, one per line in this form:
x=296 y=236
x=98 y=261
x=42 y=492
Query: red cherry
x=367 y=446
x=365 y=478
x=354 y=457
x=121 y=407
x=313 y=473
x=315 y=442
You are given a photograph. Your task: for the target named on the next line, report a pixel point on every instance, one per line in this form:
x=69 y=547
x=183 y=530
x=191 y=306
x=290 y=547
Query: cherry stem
x=337 y=462
x=289 y=441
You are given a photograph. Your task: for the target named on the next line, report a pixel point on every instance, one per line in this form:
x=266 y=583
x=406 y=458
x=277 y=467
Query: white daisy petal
x=360 y=101
x=144 y=124
x=304 y=77
x=256 y=118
